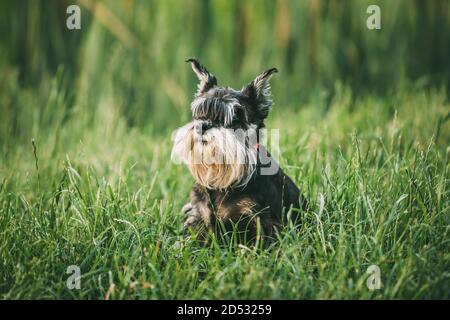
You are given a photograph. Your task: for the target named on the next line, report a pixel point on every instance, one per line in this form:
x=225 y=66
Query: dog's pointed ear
x=207 y=80
x=259 y=94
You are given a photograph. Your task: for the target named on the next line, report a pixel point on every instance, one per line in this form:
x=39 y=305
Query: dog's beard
x=220 y=158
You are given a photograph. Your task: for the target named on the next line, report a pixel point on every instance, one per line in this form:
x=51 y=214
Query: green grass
x=364 y=129
x=107 y=198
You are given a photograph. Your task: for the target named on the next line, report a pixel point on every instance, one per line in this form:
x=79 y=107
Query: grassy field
x=85 y=139
x=109 y=201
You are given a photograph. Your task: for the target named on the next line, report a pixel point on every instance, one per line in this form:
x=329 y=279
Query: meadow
x=85 y=137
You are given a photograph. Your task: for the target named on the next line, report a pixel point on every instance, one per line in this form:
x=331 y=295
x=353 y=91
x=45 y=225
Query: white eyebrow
x=218 y=107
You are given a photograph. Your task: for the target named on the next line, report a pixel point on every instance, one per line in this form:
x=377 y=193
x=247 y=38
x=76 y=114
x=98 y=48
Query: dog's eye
x=230 y=123
x=238 y=115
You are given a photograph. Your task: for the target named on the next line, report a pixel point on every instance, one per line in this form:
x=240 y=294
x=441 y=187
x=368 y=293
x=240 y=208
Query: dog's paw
x=186 y=208
x=191 y=215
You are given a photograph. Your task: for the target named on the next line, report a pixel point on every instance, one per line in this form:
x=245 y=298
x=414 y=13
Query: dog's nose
x=205 y=126
x=202 y=127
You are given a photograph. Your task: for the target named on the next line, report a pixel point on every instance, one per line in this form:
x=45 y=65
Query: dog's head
x=220 y=144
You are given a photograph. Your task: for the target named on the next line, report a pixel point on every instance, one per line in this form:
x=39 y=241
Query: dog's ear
x=207 y=80
x=259 y=94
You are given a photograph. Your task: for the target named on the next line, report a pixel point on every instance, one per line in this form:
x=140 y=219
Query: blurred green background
x=130 y=55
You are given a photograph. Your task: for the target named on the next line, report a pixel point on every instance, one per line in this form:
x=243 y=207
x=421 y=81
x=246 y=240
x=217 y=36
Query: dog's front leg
x=197 y=218
x=191 y=216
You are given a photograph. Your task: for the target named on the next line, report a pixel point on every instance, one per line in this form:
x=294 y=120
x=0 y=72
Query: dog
x=236 y=187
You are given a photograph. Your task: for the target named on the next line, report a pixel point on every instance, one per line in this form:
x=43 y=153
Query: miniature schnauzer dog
x=235 y=188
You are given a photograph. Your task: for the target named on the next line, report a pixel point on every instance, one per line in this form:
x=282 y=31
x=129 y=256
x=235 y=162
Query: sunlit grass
x=109 y=201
